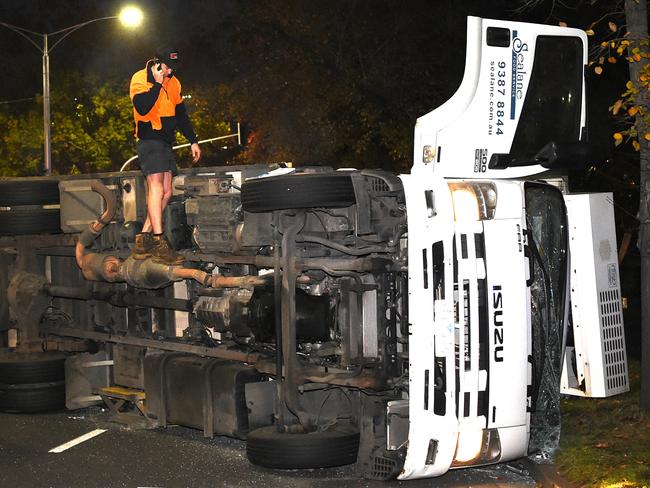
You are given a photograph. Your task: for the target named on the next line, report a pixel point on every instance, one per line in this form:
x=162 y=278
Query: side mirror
x=569 y=155
x=554 y=155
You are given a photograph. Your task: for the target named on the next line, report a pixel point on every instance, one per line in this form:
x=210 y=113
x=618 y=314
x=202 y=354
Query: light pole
x=129 y=16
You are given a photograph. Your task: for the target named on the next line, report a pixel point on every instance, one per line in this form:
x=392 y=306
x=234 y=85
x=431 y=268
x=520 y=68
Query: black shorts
x=155 y=156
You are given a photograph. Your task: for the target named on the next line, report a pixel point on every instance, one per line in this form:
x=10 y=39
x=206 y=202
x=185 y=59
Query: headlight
x=469 y=445
x=465 y=205
x=477 y=446
x=473 y=201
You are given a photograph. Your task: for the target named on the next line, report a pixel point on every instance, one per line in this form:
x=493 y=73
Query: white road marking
x=78 y=440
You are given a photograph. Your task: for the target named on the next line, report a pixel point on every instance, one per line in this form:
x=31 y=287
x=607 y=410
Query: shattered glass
x=547 y=240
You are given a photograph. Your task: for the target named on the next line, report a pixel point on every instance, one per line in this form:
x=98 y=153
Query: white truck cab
x=496 y=333
x=523 y=88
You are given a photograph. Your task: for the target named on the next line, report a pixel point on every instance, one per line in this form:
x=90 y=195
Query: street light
x=129 y=16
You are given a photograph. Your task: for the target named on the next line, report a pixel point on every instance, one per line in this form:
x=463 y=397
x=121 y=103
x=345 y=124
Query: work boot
x=143 y=246
x=163 y=252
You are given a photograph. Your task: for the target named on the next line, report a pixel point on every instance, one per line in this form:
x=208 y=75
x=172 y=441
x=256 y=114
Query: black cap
x=169 y=56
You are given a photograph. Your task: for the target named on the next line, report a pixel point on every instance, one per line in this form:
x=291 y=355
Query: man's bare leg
x=155 y=193
x=166 y=195
x=160 y=192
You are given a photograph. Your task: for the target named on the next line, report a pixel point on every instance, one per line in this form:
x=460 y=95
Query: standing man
x=158 y=110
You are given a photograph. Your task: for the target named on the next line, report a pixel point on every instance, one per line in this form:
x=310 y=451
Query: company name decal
x=497 y=319
x=519 y=51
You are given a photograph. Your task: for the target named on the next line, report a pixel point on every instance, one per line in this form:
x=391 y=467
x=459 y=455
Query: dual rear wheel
x=32 y=382
x=29 y=207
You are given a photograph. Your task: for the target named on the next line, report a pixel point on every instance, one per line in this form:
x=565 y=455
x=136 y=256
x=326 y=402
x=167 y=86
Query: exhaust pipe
x=140 y=273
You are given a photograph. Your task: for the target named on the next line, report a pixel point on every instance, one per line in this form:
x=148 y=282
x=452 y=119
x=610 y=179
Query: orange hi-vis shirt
x=164 y=107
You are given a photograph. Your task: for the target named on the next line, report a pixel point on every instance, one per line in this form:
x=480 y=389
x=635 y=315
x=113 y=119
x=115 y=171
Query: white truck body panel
x=462 y=134
x=509 y=305
x=429 y=337
x=599 y=351
x=488 y=262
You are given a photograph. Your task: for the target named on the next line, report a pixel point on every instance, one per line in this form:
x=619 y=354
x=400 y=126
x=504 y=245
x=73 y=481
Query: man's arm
x=185 y=126
x=143 y=96
x=144 y=102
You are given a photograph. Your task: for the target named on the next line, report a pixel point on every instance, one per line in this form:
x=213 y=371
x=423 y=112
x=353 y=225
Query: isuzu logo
x=497 y=321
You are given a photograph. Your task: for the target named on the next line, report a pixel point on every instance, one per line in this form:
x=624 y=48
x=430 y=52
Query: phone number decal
x=497 y=97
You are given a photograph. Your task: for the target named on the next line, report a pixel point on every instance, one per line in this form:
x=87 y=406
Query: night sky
x=198 y=29
x=402 y=60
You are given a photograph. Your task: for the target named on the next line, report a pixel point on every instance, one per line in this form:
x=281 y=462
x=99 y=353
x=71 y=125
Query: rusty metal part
x=222 y=352
x=219 y=281
x=120 y=298
x=202 y=277
x=27 y=303
x=277 y=316
x=147 y=273
x=361 y=264
x=94 y=229
x=292 y=370
x=109 y=198
x=139 y=273
x=365 y=381
x=101 y=267
x=317 y=374
x=352 y=251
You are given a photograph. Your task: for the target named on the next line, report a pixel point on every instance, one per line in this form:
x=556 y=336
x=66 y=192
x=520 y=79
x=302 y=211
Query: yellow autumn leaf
x=598 y=70
x=632 y=111
x=612 y=27
x=637 y=57
x=619 y=50
x=617 y=107
x=618 y=136
x=589 y=32
x=612 y=44
x=636 y=145
x=611 y=59
x=601 y=60
x=647 y=136
x=603 y=44
x=625 y=43
x=629 y=85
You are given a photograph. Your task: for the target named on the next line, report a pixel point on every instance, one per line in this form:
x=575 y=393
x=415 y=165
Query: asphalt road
x=174 y=457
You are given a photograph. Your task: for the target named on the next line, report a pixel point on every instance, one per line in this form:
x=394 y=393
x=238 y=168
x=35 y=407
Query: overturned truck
x=409 y=324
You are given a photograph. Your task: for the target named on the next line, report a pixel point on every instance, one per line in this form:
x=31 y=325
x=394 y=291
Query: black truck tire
x=337 y=446
x=32 y=397
x=32 y=382
x=304 y=190
x=20 y=368
x=39 y=192
x=26 y=221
